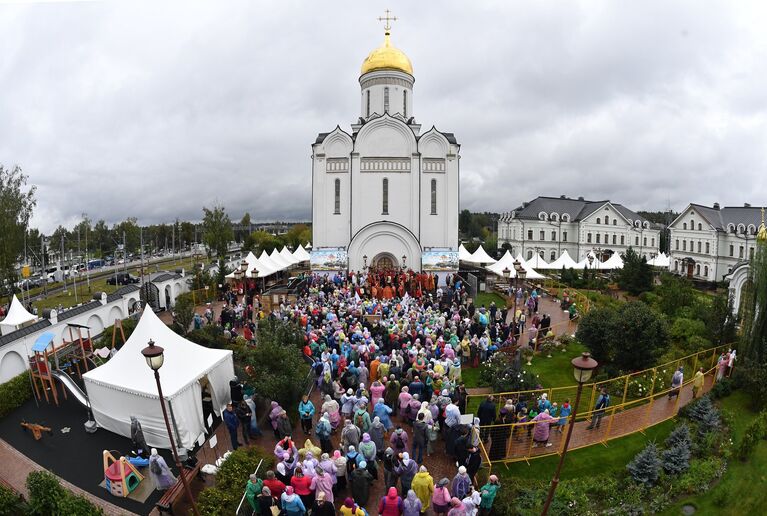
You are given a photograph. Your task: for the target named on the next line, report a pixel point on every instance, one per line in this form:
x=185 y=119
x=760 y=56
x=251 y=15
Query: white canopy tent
x=463 y=254
x=481 y=257
x=17 y=316
x=662 y=260
x=565 y=261
x=125 y=386
x=584 y=264
x=537 y=262
x=301 y=255
x=613 y=262
x=288 y=256
x=507 y=262
x=268 y=262
x=280 y=260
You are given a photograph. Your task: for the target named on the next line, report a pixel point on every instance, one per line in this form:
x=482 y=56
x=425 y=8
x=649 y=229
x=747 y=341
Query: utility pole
x=42 y=264
x=87 y=265
x=125 y=255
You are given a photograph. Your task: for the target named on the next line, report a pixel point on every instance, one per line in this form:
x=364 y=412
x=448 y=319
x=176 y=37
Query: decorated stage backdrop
x=329 y=260
x=436 y=260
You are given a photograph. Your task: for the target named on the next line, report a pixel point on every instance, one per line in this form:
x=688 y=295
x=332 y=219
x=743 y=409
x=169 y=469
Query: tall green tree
x=217 y=230
x=754 y=343
x=187 y=233
x=132 y=234
x=636 y=276
x=17 y=201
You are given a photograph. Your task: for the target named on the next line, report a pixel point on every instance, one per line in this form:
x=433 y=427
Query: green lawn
x=470 y=377
x=742 y=485
x=590 y=460
x=485 y=298
x=556 y=371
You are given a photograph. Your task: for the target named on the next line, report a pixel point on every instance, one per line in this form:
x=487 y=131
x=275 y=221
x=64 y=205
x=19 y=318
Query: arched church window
x=368 y=105
x=404 y=103
x=433 y=196
x=386 y=100
x=337 y=209
x=385 y=208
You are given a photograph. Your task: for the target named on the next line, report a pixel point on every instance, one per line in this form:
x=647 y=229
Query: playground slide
x=72 y=387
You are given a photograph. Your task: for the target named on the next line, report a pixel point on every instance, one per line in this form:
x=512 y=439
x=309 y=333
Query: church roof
x=578 y=209
x=387 y=57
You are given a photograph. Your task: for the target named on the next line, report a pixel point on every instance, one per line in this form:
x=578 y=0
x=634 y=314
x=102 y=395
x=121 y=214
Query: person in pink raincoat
x=542 y=427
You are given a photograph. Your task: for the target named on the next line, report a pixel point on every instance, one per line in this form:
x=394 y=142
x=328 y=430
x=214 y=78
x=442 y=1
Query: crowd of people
x=388 y=371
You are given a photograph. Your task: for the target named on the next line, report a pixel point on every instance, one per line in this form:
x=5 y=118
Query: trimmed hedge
x=47 y=496
x=231 y=480
x=14 y=393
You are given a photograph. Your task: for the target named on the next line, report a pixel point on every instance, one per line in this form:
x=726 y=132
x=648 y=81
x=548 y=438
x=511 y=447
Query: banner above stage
x=439 y=260
x=329 y=260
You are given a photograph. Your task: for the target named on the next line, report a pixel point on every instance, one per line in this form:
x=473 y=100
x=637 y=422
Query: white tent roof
x=614 y=262
x=536 y=262
x=660 y=261
x=463 y=254
x=268 y=262
x=584 y=264
x=565 y=261
x=125 y=385
x=280 y=260
x=288 y=256
x=17 y=315
x=301 y=255
x=507 y=261
x=480 y=256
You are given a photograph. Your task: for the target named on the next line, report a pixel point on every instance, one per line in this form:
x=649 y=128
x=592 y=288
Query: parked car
x=122 y=278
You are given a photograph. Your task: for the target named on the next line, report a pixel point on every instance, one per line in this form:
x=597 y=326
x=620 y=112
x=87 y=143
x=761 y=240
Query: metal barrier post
x=652 y=391
x=609 y=425
x=593 y=395
x=625 y=389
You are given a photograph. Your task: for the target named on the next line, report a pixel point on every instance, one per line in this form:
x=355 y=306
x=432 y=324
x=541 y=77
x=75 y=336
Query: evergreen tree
x=705 y=414
x=645 y=468
x=676 y=459
x=680 y=434
x=636 y=276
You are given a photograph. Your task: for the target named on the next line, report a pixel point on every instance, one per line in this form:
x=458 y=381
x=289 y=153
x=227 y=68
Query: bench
x=165 y=504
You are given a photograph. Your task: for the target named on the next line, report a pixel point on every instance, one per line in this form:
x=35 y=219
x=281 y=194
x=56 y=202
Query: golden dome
x=387 y=57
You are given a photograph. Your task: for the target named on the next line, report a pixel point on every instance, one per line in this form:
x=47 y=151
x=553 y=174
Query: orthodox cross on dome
x=387 y=19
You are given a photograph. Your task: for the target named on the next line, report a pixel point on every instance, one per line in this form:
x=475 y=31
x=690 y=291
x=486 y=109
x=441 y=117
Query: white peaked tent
x=463 y=254
x=279 y=260
x=288 y=256
x=267 y=261
x=17 y=316
x=125 y=386
x=660 y=261
x=565 y=261
x=584 y=264
x=613 y=262
x=480 y=256
x=301 y=255
x=536 y=262
x=507 y=261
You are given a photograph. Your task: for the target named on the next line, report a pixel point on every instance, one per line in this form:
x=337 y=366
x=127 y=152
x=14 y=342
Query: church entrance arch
x=385 y=262
x=384 y=240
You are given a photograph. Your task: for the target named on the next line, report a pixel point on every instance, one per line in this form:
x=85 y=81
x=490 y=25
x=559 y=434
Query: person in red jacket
x=275 y=485
x=301 y=484
x=391 y=504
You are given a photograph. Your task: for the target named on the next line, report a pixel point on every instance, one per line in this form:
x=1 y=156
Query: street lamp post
x=519 y=273
x=404 y=260
x=583 y=366
x=154 y=359
x=365 y=263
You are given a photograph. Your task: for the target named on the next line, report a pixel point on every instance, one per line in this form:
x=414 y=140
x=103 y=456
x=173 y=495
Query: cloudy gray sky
x=154 y=109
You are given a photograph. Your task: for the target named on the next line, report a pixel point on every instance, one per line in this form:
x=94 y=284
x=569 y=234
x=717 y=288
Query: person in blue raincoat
x=382 y=411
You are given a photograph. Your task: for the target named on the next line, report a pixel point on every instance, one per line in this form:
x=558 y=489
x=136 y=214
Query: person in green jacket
x=488 y=493
x=253 y=489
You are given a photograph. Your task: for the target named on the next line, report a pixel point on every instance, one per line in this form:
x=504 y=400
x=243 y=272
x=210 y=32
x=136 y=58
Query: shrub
x=680 y=434
x=47 y=496
x=645 y=468
x=755 y=432
x=502 y=373
x=14 y=393
x=721 y=389
x=231 y=480
x=210 y=336
x=700 y=475
x=106 y=337
x=10 y=502
x=183 y=315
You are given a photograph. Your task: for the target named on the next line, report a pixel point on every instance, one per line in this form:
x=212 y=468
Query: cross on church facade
x=387 y=19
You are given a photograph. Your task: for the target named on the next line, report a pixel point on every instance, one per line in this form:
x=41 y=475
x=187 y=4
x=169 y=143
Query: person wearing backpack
x=160 y=472
x=398 y=440
x=323 y=431
x=391 y=504
x=602 y=403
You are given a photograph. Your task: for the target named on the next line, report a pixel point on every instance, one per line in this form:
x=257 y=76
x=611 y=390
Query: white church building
x=385 y=192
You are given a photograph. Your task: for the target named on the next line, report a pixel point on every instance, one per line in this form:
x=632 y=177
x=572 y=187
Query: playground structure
x=51 y=362
x=37 y=430
x=121 y=476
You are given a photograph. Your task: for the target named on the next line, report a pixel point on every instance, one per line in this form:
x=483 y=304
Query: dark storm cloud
x=146 y=110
